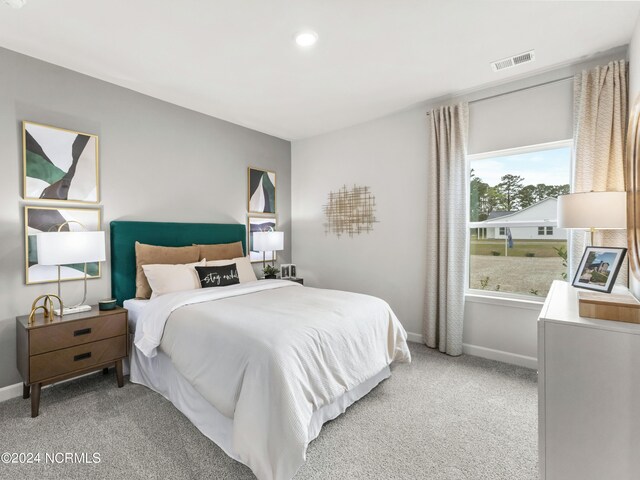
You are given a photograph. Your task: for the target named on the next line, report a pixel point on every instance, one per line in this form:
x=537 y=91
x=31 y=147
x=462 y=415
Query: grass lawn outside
x=539 y=248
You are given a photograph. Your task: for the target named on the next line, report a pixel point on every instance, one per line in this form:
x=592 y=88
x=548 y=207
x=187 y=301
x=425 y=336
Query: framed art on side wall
x=260 y=224
x=59 y=164
x=49 y=219
x=261 y=191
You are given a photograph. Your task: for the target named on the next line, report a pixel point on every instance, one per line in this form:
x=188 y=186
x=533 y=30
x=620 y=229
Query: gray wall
x=390 y=155
x=157 y=162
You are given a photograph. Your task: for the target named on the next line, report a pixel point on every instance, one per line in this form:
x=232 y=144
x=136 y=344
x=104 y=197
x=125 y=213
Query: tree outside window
x=513 y=245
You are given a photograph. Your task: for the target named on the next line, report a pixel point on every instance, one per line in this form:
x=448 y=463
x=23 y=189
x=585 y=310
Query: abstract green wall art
x=260 y=224
x=262 y=191
x=48 y=219
x=59 y=164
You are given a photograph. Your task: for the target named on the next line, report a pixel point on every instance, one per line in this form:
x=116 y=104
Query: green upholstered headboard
x=124 y=235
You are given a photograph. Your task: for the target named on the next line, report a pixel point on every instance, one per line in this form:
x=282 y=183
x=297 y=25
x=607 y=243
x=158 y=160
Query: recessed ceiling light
x=306 y=38
x=15 y=3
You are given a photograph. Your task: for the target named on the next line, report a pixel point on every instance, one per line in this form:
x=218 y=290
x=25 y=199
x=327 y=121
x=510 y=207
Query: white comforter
x=269 y=354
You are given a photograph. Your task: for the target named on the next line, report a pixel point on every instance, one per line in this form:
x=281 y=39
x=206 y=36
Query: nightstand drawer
x=68 y=360
x=69 y=334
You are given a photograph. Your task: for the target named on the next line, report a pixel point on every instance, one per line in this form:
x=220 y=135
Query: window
x=513 y=246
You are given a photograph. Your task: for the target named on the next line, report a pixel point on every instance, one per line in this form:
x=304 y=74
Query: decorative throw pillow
x=221 y=251
x=243 y=264
x=154 y=255
x=165 y=279
x=221 y=276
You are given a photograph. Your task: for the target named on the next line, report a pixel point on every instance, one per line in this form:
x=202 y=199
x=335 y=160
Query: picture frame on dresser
x=60 y=165
x=599 y=268
x=285 y=270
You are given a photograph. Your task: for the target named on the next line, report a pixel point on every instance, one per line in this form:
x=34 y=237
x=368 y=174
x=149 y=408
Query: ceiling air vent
x=511 y=62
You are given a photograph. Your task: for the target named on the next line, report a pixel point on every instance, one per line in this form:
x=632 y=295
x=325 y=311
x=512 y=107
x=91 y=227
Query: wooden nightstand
x=73 y=345
x=297 y=280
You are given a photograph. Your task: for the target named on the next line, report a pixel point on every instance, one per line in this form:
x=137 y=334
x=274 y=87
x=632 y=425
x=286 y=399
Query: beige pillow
x=243 y=265
x=165 y=279
x=153 y=255
x=221 y=251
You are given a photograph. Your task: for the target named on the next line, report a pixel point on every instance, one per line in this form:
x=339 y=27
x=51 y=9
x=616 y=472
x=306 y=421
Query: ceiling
x=236 y=59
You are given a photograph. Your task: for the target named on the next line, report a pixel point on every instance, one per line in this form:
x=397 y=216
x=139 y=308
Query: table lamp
x=268 y=242
x=65 y=248
x=593 y=211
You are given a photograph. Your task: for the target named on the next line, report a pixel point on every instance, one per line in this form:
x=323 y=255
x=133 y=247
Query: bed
x=257 y=367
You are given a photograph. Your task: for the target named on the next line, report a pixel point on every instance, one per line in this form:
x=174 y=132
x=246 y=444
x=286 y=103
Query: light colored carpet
x=439 y=418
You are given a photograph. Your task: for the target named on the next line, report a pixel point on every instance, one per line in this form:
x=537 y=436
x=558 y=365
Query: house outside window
x=513 y=246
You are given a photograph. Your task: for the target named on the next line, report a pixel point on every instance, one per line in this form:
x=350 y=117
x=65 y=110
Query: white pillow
x=165 y=279
x=243 y=264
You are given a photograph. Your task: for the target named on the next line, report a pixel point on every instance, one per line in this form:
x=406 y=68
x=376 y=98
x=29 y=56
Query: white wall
x=389 y=155
x=158 y=162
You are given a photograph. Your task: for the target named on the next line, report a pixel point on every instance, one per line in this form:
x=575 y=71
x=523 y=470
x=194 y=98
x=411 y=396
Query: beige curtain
x=600 y=122
x=447 y=207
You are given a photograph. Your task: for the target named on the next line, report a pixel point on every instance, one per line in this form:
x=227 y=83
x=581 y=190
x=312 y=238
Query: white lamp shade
x=601 y=210
x=64 y=248
x=268 y=241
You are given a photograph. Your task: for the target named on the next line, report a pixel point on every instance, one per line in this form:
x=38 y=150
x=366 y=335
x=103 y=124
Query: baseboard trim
x=501 y=356
x=10 y=391
x=414 y=337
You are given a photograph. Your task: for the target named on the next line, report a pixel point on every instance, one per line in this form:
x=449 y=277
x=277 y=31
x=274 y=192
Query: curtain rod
x=517 y=90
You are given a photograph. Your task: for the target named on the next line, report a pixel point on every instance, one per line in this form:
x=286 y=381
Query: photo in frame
x=285 y=270
x=261 y=191
x=599 y=268
x=292 y=271
x=48 y=219
x=59 y=164
x=260 y=224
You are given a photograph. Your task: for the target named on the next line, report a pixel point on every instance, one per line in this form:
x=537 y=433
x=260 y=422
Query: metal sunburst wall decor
x=350 y=211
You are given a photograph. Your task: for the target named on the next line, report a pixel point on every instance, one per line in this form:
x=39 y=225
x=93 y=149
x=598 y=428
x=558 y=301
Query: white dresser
x=589 y=393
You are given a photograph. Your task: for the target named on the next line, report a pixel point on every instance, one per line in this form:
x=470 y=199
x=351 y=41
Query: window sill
x=504 y=300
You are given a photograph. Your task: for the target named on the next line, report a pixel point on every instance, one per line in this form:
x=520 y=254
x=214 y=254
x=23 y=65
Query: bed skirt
x=159 y=374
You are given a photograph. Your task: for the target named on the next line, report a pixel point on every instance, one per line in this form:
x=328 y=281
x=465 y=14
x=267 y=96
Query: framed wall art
x=260 y=224
x=59 y=165
x=49 y=219
x=262 y=191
